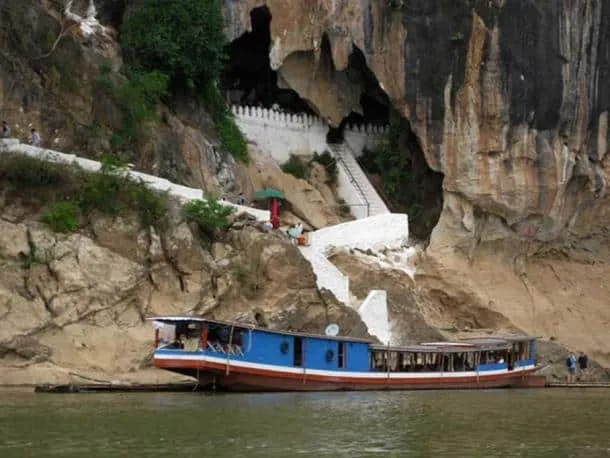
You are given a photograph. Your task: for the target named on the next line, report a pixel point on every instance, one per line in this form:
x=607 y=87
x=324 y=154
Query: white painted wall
x=363 y=136
x=281 y=134
x=374 y=313
x=389 y=230
x=182 y=193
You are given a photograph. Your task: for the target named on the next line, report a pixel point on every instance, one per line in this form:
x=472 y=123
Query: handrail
x=352 y=179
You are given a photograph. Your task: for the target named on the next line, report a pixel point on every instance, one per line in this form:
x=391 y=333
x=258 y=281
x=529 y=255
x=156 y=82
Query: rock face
x=76 y=303
x=507 y=98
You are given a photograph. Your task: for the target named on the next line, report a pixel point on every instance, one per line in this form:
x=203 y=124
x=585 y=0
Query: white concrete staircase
x=327 y=274
x=363 y=190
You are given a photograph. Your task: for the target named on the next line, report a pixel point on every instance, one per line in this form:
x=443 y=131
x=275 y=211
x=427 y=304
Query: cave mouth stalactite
x=248 y=79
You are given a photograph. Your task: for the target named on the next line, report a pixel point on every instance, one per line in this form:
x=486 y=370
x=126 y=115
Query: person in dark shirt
x=583 y=362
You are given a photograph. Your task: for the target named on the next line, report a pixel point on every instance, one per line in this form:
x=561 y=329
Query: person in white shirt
x=35 y=138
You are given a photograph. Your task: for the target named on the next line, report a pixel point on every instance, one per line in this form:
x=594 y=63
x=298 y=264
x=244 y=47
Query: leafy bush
x=209 y=215
x=330 y=165
x=137 y=97
x=230 y=136
x=101 y=191
x=232 y=139
x=70 y=192
x=296 y=166
x=180 y=45
x=63 y=216
x=181 y=39
x=151 y=206
x=29 y=172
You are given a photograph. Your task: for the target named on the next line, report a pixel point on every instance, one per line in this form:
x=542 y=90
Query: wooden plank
x=119 y=388
x=578 y=385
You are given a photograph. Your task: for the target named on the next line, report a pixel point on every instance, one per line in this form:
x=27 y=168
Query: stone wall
x=359 y=137
x=281 y=134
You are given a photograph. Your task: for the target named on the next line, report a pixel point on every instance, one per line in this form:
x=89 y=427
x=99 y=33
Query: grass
x=66 y=193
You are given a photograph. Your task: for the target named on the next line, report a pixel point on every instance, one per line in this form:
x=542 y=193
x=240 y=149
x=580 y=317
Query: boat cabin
x=225 y=341
x=247 y=343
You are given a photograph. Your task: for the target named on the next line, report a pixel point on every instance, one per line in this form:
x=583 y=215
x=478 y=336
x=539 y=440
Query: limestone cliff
x=508 y=98
x=509 y=101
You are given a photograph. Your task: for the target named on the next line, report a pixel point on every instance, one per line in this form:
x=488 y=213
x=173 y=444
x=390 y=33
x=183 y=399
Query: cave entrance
x=248 y=79
x=335 y=135
x=396 y=166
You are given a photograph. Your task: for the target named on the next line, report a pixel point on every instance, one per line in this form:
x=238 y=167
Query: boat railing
x=230 y=349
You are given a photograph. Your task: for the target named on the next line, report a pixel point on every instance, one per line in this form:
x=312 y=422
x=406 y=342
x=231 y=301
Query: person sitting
x=6 y=130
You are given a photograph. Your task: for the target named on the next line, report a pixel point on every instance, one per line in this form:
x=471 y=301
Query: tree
x=182 y=39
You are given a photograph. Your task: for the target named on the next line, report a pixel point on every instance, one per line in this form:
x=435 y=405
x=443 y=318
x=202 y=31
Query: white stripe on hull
x=337 y=373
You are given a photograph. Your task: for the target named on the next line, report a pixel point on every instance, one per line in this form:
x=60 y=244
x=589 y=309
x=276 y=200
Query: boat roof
x=174 y=319
x=424 y=348
x=501 y=338
x=445 y=347
x=460 y=346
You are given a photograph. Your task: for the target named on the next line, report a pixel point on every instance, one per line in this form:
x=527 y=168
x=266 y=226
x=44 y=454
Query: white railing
x=182 y=193
x=354 y=186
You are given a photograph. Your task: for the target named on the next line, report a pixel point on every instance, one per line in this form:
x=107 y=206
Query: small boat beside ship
x=239 y=357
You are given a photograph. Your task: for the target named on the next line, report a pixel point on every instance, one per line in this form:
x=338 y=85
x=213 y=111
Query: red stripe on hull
x=253 y=379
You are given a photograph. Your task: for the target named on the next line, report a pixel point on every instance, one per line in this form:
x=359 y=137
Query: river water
x=495 y=423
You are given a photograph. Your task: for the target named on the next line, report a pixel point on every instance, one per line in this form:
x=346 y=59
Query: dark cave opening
x=248 y=79
x=396 y=167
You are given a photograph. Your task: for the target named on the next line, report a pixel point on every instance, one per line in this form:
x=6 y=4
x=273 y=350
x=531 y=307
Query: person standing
x=583 y=363
x=6 y=130
x=35 y=138
x=571 y=363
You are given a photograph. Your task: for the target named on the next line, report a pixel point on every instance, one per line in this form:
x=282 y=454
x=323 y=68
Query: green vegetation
x=175 y=48
x=405 y=180
x=183 y=40
x=456 y=37
x=300 y=168
x=209 y=215
x=388 y=161
x=68 y=193
x=397 y=4
x=230 y=136
x=296 y=166
x=330 y=165
x=62 y=216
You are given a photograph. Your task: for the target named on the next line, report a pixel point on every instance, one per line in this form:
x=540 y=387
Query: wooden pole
x=229 y=350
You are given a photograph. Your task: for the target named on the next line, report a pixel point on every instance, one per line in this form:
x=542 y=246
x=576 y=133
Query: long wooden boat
x=238 y=357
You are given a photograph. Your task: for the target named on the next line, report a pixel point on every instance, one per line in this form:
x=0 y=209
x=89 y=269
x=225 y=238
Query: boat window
x=298 y=352
x=341 y=355
x=523 y=351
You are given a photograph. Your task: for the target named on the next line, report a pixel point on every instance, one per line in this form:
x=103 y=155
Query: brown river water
x=495 y=423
